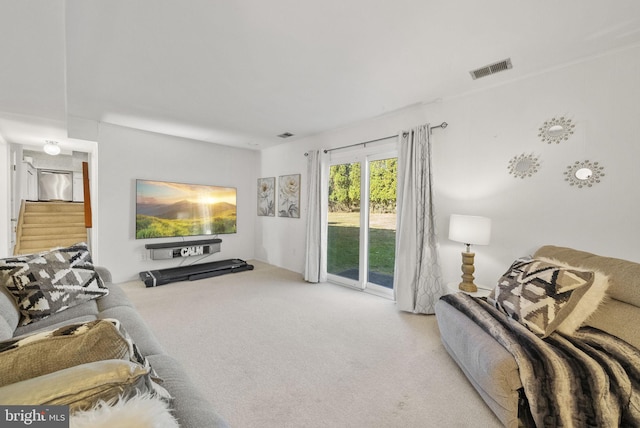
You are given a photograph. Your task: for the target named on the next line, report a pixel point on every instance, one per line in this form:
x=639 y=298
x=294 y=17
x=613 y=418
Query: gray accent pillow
x=50 y=282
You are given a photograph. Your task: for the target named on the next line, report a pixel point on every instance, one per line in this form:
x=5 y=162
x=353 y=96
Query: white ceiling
x=239 y=72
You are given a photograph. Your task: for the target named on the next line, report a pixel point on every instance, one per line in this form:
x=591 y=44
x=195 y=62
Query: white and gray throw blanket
x=589 y=379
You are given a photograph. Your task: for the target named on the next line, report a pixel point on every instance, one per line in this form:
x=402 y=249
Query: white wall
x=489 y=128
x=5 y=200
x=470 y=162
x=126 y=154
x=62 y=162
x=281 y=241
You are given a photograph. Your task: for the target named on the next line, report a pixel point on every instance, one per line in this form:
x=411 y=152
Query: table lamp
x=469 y=230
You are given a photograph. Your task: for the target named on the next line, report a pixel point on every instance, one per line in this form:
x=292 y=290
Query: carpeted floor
x=270 y=350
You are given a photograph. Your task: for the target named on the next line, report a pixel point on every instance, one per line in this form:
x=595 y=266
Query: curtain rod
x=443 y=125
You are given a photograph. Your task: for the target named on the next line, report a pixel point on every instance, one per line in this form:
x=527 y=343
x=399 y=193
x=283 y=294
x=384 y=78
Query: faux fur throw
x=141 y=411
x=587 y=379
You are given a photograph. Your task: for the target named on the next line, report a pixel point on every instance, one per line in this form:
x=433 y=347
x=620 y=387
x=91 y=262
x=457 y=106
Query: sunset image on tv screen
x=165 y=209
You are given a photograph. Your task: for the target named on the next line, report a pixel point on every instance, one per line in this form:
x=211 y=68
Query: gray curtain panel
x=418 y=278
x=315 y=269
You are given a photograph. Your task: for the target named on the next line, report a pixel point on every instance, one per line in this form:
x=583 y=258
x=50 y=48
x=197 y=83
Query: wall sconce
x=469 y=230
x=51 y=148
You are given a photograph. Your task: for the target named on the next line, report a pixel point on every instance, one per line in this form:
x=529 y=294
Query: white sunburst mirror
x=556 y=130
x=583 y=174
x=524 y=165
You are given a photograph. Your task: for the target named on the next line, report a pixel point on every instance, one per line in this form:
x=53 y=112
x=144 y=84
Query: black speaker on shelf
x=170 y=250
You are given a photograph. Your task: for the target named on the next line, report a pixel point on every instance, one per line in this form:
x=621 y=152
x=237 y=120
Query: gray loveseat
x=190 y=408
x=493 y=371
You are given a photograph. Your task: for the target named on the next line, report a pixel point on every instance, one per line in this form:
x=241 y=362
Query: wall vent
x=491 y=69
x=285 y=135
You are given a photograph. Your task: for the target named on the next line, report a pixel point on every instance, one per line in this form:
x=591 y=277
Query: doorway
x=20 y=167
x=361 y=220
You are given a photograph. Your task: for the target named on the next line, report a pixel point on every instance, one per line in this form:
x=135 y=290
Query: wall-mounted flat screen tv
x=166 y=209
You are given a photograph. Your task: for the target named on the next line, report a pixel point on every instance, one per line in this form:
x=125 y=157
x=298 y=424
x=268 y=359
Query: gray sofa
x=190 y=408
x=493 y=371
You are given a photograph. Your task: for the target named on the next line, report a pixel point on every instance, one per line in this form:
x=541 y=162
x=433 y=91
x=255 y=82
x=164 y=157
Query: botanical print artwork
x=267 y=196
x=289 y=196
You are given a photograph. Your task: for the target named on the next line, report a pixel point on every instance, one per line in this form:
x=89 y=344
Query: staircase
x=46 y=225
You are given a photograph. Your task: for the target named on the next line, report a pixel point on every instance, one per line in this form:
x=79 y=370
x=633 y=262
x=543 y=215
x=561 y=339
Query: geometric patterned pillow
x=538 y=294
x=50 y=282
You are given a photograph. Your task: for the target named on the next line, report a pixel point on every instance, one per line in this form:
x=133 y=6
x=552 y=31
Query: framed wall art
x=289 y=196
x=267 y=196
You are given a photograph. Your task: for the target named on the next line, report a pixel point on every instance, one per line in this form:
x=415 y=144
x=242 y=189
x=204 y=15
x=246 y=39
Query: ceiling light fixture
x=51 y=148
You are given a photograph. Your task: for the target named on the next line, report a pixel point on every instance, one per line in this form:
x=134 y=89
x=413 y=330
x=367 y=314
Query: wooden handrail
x=87 y=195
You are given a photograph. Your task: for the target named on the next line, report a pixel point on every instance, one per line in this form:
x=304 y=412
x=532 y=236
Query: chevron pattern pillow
x=50 y=282
x=540 y=295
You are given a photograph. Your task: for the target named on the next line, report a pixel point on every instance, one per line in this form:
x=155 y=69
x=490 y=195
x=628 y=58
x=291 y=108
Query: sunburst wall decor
x=583 y=174
x=524 y=165
x=556 y=130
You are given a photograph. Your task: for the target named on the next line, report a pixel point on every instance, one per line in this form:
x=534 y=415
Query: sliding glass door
x=343 y=218
x=382 y=221
x=362 y=221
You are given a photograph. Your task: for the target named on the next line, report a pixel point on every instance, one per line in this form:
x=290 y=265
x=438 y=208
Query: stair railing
x=88 y=223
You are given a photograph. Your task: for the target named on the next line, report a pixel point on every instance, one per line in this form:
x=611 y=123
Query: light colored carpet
x=270 y=350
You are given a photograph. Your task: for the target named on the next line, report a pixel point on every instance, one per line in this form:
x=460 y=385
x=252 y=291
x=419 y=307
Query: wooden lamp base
x=467 y=273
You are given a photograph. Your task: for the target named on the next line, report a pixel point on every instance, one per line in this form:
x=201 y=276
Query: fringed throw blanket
x=589 y=379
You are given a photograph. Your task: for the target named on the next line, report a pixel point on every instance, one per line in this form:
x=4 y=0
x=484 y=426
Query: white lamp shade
x=470 y=229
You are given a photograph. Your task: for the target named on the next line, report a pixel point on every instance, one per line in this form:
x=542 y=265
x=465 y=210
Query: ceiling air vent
x=285 y=135
x=491 y=69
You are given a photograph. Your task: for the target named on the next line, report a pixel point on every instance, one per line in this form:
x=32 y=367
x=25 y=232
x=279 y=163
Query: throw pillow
x=46 y=283
x=140 y=411
x=540 y=295
x=80 y=387
x=594 y=296
x=22 y=357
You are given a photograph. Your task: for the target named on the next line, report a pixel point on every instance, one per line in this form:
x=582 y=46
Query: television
x=166 y=209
